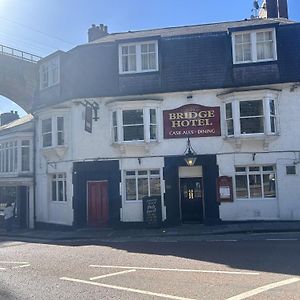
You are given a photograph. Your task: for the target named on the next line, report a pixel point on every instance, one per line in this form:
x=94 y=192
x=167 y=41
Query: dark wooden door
x=98 y=212
x=191 y=199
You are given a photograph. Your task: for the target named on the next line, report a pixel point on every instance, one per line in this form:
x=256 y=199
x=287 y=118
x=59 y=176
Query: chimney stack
x=8 y=117
x=97 y=32
x=274 y=9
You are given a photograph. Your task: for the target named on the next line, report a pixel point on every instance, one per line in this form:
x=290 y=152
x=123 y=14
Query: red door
x=97 y=203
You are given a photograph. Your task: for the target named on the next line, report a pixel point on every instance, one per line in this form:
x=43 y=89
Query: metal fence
x=19 y=54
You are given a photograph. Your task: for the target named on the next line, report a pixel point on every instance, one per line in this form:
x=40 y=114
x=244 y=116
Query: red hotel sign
x=192 y=120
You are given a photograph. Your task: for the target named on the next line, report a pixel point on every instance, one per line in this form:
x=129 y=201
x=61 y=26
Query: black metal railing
x=19 y=54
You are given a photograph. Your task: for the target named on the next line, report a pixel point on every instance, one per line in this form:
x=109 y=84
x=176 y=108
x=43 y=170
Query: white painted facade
x=280 y=150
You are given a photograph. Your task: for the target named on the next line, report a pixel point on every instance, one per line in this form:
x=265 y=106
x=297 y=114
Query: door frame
x=202 y=199
x=87 y=197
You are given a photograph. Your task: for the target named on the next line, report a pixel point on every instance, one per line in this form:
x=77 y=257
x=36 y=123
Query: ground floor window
x=59 y=187
x=255 y=182
x=141 y=183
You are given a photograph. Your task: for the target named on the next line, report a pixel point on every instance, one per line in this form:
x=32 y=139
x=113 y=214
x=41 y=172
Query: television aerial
x=255 y=9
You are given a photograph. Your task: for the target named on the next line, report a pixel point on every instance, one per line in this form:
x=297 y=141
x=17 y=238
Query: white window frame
x=266 y=96
x=54 y=131
x=138 y=57
x=235 y=104
x=59 y=177
x=254 y=58
x=260 y=172
x=49 y=73
x=136 y=176
x=119 y=129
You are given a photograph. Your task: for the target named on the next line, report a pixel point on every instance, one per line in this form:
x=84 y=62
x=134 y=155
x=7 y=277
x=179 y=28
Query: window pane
x=130 y=189
x=251 y=108
x=60 y=191
x=253 y=169
x=240 y=169
x=114 y=117
x=132 y=62
x=60 y=138
x=60 y=123
x=47 y=140
x=272 y=107
x=153 y=116
x=241 y=186
x=228 y=110
x=154 y=172
x=53 y=190
x=153 y=134
x=142 y=173
x=130 y=173
x=230 y=128
x=273 y=124
x=268 y=168
x=133 y=133
x=46 y=125
x=155 y=187
x=255 y=186
x=269 y=185
x=125 y=64
x=252 y=125
x=25 y=158
x=142 y=188
x=133 y=117
x=125 y=50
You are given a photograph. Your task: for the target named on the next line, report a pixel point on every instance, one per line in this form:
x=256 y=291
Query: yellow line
x=177 y=270
x=264 y=288
x=112 y=274
x=120 y=288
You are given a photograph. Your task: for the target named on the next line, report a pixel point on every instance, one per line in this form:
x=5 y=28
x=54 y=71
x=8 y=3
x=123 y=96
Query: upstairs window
x=250 y=117
x=254 y=46
x=53 y=133
x=138 y=57
x=49 y=73
x=25 y=156
x=134 y=125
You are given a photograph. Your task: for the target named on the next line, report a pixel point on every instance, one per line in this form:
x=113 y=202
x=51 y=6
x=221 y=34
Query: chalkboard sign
x=152 y=211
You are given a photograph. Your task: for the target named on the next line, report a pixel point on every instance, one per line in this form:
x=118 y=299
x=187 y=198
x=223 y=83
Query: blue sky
x=43 y=26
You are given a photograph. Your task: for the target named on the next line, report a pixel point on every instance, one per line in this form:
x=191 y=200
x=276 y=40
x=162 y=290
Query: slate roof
x=191 y=29
x=19 y=122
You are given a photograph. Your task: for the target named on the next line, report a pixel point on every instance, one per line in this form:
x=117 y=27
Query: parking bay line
x=264 y=288
x=125 y=289
x=14 y=262
x=177 y=270
x=22 y=266
x=112 y=274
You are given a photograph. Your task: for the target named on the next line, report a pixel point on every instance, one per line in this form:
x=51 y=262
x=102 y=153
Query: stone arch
x=18 y=80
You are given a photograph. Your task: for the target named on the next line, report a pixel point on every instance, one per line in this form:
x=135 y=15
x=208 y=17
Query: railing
x=19 y=54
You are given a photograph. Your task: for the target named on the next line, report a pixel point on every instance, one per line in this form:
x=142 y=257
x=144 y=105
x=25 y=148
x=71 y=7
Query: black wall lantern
x=190 y=156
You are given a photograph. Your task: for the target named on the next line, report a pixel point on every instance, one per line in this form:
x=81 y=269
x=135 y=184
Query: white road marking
x=23 y=266
x=177 y=270
x=221 y=240
x=14 y=262
x=125 y=289
x=264 y=288
x=2 y=269
x=112 y=274
x=281 y=239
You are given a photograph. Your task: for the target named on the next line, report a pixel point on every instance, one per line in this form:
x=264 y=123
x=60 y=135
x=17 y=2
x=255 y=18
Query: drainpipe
x=34 y=167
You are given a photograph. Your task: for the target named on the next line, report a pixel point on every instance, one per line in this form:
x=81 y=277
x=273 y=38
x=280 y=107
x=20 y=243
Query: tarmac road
x=256 y=266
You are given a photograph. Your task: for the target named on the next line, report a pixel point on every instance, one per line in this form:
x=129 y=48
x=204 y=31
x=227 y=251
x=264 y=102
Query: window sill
x=264 y=138
x=252 y=63
x=134 y=144
x=138 y=72
x=58 y=151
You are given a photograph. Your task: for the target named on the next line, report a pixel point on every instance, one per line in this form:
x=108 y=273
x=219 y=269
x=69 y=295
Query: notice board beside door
x=152 y=212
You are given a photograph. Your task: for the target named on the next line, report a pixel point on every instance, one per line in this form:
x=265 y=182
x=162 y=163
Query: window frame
x=55 y=131
x=138 y=57
x=138 y=176
x=49 y=72
x=259 y=172
x=267 y=116
x=56 y=179
x=253 y=46
x=117 y=130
